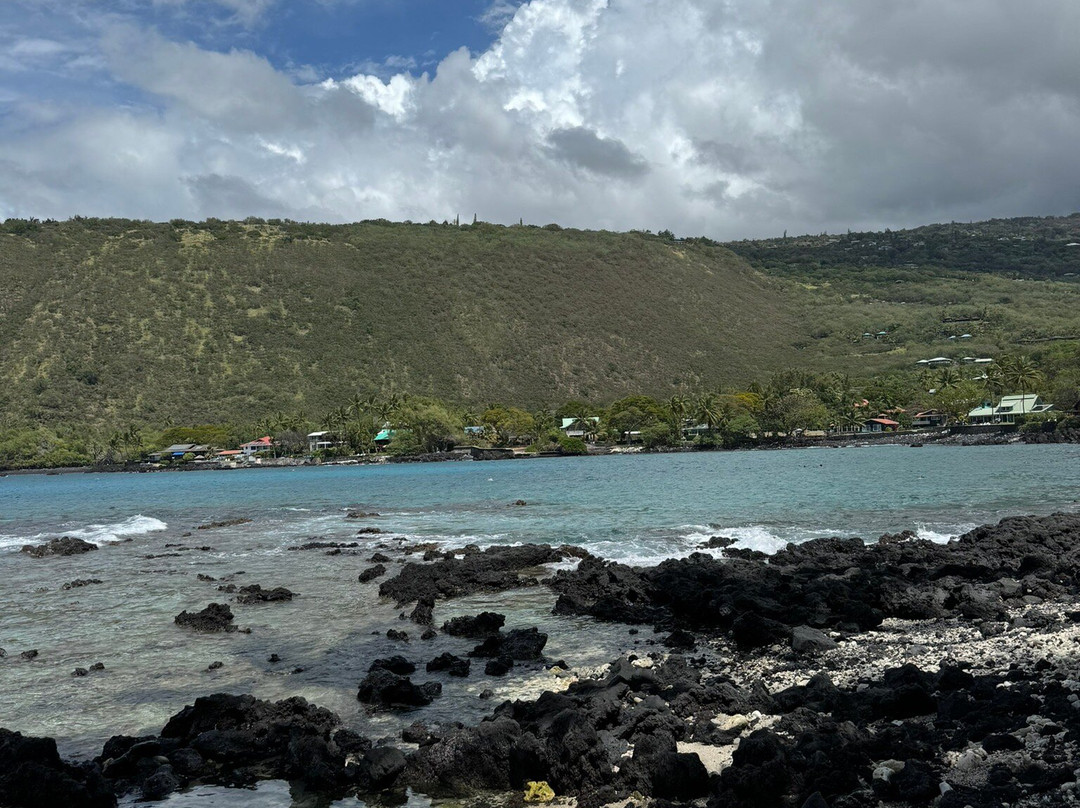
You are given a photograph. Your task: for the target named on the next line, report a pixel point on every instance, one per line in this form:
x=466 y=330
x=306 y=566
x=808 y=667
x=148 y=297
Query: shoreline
x=945 y=437
x=832 y=673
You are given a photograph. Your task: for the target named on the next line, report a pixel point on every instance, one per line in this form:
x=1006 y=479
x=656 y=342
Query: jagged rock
x=32 y=775
x=394 y=664
x=453 y=665
x=753 y=630
x=371 y=573
x=215 y=617
x=499 y=667
x=80 y=582
x=806 y=640
x=326 y=545
x=383 y=688
x=681 y=640
x=422 y=612
x=518 y=644
x=256 y=594
x=64 y=546
x=224 y=523
x=381 y=767
x=481 y=625
x=492 y=570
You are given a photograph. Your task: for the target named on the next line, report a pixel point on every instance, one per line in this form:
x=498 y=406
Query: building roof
x=883 y=421
x=1013 y=405
x=229 y=453
x=263 y=441
x=1028 y=402
x=317 y=434
x=385 y=434
x=569 y=422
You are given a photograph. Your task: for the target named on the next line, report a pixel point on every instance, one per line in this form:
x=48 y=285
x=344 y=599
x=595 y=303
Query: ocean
x=638 y=509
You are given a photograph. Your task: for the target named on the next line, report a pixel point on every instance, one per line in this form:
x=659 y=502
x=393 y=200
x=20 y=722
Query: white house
x=1008 y=409
x=320 y=440
x=574 y=428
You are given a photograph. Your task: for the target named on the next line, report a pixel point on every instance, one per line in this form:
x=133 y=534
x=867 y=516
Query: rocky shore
x=832 y=673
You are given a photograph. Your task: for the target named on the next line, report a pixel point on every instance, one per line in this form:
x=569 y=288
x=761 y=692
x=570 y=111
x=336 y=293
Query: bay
x=631 y=508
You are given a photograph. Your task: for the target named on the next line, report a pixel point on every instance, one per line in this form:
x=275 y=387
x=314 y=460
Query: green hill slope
x=112 y=322
x=103 y=321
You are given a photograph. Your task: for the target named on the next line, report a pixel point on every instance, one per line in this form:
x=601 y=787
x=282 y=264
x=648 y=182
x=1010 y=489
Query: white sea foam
x=942 y=534
x=136 y=525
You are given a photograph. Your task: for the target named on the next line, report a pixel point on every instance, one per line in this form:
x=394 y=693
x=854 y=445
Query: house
x=939 y=361
x=1008 y=409
x=575 y=428
x=880 y=425
x=263 y=444
x=229 y=454
x=929 y=419
x=386 y=434
x=178 y=450
x=320 y=440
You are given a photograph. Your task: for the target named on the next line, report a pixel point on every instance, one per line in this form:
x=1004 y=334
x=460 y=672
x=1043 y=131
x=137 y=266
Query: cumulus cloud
x=729 y=119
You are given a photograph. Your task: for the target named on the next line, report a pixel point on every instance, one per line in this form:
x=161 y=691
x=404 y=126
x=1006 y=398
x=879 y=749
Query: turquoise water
x=627 y=507
x=638 y=509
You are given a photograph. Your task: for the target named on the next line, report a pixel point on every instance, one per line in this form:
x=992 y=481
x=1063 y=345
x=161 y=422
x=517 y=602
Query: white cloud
x=731 y=119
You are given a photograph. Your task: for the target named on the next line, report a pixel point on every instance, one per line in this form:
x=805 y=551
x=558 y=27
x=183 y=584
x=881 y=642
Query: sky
x=724 y=118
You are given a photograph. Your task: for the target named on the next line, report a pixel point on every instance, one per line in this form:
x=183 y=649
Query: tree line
x=784 y=406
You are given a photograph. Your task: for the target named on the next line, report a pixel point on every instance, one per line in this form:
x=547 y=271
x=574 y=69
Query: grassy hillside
x=106 y=320
x=1013 y=285
x=111 y=322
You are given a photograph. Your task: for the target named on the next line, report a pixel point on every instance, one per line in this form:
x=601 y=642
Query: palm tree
x=680 y=408
x=948 y=377
x=708 y=411
x=1021 y=372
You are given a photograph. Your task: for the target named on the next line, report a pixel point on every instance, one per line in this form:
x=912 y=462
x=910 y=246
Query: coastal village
x=1001 y=416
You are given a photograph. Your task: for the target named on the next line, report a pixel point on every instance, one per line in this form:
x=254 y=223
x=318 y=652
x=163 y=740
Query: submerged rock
x=64 y=546
x=215 y=617
x=224 y=523
x=256 y=594
x=80 y=582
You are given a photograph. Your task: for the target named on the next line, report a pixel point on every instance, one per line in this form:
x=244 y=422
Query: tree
x=949 y=377
x=798 y=410
x=632 y=414
x=1020 y=373
x=958 y=400
x=434 y=427
x=509 y=424
x=708 y=411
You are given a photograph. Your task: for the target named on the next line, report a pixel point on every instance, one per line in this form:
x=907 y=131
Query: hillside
x=103 y=321
x=112 y=322
x=975 y=289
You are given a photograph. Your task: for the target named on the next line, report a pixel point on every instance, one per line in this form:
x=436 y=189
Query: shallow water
x=638 y=509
